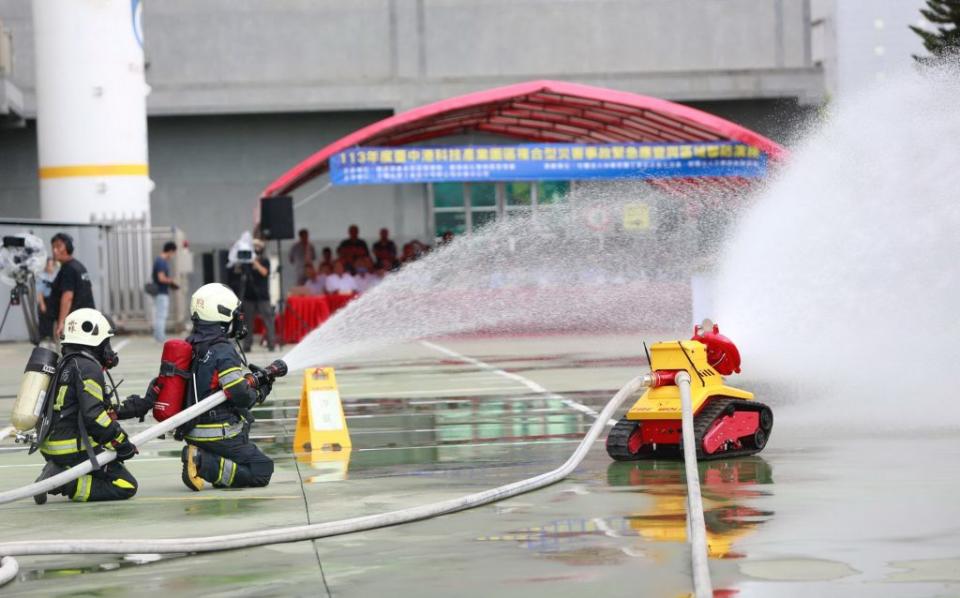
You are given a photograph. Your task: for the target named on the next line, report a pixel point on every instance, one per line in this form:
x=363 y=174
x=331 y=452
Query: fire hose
x=9 y=567
x=696 y=525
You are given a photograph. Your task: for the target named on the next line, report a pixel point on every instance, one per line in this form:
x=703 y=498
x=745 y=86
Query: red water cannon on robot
x=722 y=354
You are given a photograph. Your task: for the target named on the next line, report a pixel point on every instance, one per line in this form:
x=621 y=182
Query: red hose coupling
x=664 y=378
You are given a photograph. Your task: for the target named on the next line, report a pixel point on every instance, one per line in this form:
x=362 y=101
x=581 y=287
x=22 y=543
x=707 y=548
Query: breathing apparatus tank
x=174 y=375
x=34 y=386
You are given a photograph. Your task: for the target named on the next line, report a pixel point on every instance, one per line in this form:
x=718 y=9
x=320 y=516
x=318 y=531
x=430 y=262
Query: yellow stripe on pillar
x=59 y=172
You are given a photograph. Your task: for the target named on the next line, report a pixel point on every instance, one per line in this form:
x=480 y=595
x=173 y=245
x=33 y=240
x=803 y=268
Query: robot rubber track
x=619 y=439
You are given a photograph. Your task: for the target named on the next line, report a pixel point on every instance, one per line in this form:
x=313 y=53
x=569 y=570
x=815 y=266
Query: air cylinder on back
x=34 y=386
x=174 y=373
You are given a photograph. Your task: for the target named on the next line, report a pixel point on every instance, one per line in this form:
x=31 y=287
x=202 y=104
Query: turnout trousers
x=111 y=482
x=232 y=462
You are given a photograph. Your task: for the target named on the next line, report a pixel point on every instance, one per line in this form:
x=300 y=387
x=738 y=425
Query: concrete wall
x=209 y=171
x=292 y=55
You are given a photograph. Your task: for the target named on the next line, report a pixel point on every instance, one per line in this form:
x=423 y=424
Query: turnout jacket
x=217 y=365
x=80 y=402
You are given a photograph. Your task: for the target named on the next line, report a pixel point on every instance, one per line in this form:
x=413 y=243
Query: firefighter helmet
x=87 y=327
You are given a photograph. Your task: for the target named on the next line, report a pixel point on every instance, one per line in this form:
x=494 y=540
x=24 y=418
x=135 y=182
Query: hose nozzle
x=262 y=376
x=277 y=369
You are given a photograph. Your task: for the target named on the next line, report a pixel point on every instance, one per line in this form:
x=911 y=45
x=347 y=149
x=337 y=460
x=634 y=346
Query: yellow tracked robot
x=728 y=422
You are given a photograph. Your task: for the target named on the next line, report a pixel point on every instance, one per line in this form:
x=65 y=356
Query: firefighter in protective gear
x=82 y=418
x=218 y=448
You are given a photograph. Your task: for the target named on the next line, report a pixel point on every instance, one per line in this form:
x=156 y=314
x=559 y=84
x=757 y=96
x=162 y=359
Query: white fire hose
x=696 y=525
x=9 y=567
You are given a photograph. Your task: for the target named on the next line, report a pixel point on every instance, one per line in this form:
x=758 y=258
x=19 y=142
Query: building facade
x=242 y=91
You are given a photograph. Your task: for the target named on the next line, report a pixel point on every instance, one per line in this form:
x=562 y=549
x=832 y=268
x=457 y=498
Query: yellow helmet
x=214 y=302
x=87 y=327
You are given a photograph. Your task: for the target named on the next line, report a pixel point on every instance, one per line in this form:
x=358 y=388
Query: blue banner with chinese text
x=547 y=161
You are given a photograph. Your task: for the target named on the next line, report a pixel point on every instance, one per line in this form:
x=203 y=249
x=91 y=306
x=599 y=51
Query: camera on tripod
x=22 y=257
x=241 y=253
x=245 y=256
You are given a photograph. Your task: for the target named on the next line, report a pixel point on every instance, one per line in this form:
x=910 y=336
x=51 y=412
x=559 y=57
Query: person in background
x=161 y=301
x=340 y=282
x=71 y=289
x=371 y=279
x=315 y=283
x=385 y=247
x=363 y=274
x=326 y=258
x=45 y=283
x=413 y=251
x=318 y=285
x=353 y=247
x=301 y=254
x=388 y=264
x=256 y=298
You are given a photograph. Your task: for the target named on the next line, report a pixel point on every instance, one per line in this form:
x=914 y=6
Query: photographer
x=251 y=281
x=70 y=291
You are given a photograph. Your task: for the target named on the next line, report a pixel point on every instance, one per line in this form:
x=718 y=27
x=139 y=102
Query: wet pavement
x=819 y=512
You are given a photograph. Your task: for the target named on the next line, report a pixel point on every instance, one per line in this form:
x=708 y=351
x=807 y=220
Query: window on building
x=448 y=208
x=552 y=192
x=465 y=207
x=453 y=222
x=483 y=204
x=448 y=195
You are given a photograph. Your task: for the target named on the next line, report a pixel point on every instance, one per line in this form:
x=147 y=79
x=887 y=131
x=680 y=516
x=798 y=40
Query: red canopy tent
x=547 y=111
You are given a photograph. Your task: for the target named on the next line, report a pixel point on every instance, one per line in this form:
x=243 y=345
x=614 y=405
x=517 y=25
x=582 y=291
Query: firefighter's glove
x=124 y=449
x=128 y=408
x=153 y=390
x=263 y=391
x=262 y=381
x=137 y=406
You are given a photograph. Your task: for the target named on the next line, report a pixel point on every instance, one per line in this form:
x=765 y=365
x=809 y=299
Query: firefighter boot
x=50 y=469
x=190 y=456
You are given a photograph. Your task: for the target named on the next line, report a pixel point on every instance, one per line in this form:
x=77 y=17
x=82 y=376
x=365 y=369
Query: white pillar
x=91 y=110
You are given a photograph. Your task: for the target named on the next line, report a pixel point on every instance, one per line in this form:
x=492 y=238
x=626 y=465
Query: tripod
x=24 y=294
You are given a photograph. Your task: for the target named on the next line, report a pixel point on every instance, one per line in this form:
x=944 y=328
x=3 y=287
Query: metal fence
x=127 y=255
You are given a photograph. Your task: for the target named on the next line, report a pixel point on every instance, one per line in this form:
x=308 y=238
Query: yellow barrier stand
x=321 y=425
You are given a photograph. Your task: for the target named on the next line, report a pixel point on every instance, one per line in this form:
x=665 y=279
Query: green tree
x=945 y=40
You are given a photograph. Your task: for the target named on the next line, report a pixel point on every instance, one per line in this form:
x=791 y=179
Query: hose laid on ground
x=332 y=528
x=4 y=432
x=9 y=567
x=65 y=477
x=696 y=525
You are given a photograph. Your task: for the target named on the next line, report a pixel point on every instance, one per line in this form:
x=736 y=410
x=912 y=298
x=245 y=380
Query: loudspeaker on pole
x=276 y=217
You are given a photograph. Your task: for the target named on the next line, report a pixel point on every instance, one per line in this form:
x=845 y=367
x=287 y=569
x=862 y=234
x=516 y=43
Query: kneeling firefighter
x=79 y=415
x=218 y=448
